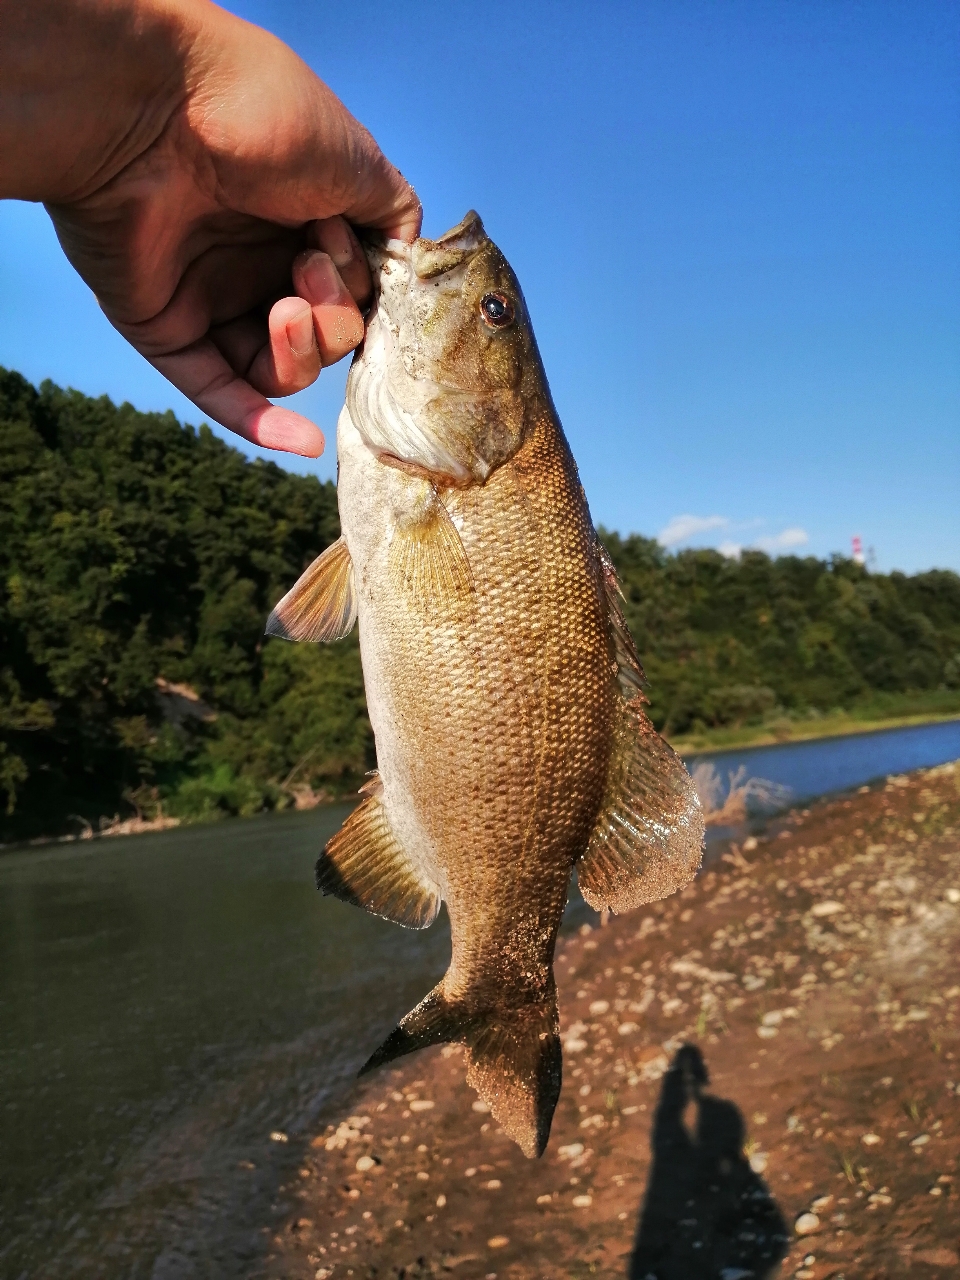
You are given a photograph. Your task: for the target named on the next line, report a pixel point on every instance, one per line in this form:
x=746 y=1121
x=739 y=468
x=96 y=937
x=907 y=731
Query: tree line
x=139 y=559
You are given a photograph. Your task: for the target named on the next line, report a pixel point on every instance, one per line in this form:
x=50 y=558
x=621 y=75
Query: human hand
x=208 y=204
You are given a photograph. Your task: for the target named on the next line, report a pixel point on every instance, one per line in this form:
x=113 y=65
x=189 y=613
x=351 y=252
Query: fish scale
x=502 y=685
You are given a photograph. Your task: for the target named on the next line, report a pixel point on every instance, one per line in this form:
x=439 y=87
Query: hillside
x=139 y=559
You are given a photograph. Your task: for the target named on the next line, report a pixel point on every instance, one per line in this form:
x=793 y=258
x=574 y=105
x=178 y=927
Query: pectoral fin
x=365 y=865
x=322 y=603
x=427 y=559
x=648 y=839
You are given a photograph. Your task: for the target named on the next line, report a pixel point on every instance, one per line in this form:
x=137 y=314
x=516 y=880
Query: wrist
x=88 y=86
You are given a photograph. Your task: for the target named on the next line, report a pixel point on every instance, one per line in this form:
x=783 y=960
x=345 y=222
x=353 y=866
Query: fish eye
x=496 y=310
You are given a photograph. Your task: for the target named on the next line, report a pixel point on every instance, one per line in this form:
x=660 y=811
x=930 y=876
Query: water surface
x=167 y=1001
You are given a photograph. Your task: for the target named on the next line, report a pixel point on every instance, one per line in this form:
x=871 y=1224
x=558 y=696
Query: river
x=169 y=1001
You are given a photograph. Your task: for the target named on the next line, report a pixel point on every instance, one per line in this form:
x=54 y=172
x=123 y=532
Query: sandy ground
x=811 y=975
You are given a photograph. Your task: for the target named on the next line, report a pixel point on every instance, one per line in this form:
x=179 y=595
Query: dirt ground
x=811 y=976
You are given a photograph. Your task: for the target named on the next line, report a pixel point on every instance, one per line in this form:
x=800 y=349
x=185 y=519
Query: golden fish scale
x=507 y=716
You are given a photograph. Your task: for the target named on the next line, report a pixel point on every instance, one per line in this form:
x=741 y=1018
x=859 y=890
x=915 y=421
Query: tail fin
x=513 y=1058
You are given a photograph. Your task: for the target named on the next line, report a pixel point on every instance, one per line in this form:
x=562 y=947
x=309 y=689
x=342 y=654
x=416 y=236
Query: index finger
x=205 y=377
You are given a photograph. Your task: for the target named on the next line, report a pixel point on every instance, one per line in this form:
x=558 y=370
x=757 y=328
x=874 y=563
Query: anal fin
x=365 y=865
x=648 y=838
x=322 y=603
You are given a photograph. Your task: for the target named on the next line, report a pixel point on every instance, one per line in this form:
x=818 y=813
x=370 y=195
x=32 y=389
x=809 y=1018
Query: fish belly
x=493 y=718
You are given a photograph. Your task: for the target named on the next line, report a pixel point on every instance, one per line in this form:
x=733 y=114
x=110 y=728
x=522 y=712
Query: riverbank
x=813 y=973
x=830 y=726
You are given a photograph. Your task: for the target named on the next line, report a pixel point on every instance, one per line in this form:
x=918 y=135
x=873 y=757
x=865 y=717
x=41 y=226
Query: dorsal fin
x=322 y=603
x=648 y=838
x=629 y=671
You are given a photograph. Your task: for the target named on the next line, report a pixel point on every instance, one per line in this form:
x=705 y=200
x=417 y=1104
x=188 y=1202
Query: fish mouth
x=427 y=258
x=392 y=381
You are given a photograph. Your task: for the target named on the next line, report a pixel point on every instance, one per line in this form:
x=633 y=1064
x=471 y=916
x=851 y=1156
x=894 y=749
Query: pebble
x=498 y=1242
x=364 y=1163
x=570 y=1151
x=767 y=1033
x=806 y=1224
x=598 y=1007
x=441 y=1201
x=759 y=1161
x=278 y=1136
x=481 y=1106
x=582 y=1202
x=820 y=909
x=871 y=1139
x=421 y=1104
x=920 y=1140
x=493 y=1185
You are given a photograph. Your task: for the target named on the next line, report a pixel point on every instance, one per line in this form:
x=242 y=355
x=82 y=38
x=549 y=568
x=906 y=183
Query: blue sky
x=737 y=226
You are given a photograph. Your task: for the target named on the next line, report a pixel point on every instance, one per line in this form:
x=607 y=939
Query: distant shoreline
x=805 y=731
x=686 y=746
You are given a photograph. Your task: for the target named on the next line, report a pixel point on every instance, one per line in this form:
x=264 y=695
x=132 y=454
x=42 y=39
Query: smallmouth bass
x=503 y=686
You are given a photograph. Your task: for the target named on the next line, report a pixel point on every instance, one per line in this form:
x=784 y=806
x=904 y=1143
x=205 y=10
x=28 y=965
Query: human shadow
x=706 y=1214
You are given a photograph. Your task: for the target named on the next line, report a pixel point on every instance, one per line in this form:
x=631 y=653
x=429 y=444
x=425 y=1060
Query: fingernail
x=338 y=242
x=300 y=333
x=323 y=283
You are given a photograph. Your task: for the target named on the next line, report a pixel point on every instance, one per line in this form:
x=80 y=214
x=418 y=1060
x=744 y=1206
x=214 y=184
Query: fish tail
x=514 y=1058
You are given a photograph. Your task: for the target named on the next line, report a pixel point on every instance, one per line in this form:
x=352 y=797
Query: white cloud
x=682 y=528
x=785 y=541
x=730 y=549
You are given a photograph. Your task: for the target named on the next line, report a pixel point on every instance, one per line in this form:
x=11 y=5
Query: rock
x=571 y=1151
x=759 y=1161
x=481 y=1106
x=544 y=1199
x=582 y=1202
x=871 y=1139
x=441 y=1201
x=807 y=1224
x=938 y=1257
x=364 y=1164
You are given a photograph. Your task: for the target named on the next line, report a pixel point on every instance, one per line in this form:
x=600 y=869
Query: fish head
x=449 y=365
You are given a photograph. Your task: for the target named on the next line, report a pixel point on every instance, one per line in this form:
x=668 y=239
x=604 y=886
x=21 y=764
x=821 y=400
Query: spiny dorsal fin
x=322 y=603
x=629 y=671
x=427 y=559
x=365 y=865
x=648 y=838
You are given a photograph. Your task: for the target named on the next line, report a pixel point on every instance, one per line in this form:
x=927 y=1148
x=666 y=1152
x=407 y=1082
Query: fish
x=503 y=686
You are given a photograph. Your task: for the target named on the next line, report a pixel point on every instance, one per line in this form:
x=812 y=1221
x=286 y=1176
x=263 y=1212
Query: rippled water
x=167 y=1001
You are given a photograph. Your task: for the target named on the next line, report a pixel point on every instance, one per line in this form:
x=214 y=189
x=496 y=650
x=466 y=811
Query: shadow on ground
x=706 y=1215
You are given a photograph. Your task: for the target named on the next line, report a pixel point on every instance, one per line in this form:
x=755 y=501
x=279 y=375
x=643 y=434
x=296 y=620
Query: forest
x=139 y=559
